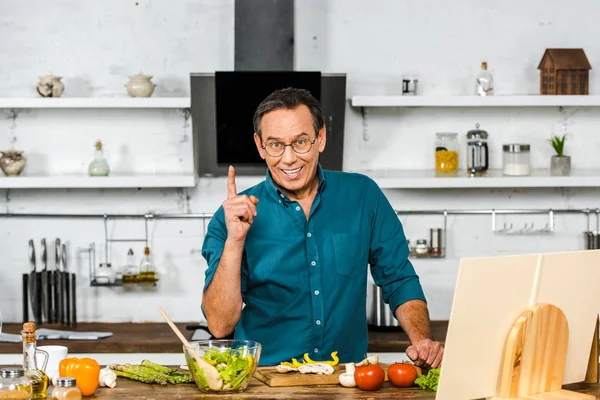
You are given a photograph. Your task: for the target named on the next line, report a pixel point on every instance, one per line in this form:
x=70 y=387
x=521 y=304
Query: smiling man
x=288 y=258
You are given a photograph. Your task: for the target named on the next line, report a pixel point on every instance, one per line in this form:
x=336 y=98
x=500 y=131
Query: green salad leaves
x=429 y=381
x=234 y=368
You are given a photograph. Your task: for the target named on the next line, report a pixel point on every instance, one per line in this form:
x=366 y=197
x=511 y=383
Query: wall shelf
x=427 y=179
x=476 y=101
x=100 y=182
x=96 y=102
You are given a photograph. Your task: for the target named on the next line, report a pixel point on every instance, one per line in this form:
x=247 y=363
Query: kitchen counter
x=127 y=389
x=159 y=338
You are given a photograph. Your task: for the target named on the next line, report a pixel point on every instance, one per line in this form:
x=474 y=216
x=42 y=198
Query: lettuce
x=429 y=381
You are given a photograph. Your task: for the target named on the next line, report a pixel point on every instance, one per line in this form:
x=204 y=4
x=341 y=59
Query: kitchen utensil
x=379 y=314
x=201 y=363
x=46 y=298
x=591 y=240
x=54 y=334
x=25 y=286
x=270 y=377
x=435 y=239
x=409 y=87
x=59 y=281
x=477 y=152
x=54 y=355
x=34 y=285
x=73 y=300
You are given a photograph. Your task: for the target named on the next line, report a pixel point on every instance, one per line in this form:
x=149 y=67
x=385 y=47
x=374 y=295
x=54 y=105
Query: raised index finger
x=231 y=191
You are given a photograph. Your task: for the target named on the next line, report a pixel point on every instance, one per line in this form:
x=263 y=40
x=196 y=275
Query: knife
x=33 y=284
x=58 y=279
x=67 y=286
x=46 y=299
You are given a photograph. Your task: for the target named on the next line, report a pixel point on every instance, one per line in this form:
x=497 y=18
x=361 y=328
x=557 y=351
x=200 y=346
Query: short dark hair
x=289 y=98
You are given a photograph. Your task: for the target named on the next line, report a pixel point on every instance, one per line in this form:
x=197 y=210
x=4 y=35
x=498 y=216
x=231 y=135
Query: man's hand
x=426 y=353
x=239 y=210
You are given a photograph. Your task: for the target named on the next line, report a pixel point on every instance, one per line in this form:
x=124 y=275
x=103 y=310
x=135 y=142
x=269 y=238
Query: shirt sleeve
x=388 y=257
x=212 y=250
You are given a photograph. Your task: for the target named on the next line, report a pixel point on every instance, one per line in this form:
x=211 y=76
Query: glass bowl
x=222 y=365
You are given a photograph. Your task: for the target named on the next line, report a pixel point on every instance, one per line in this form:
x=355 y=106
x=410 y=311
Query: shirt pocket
x=351 y=253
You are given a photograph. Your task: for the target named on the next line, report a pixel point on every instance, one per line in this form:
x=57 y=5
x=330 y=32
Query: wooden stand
x=534 y=358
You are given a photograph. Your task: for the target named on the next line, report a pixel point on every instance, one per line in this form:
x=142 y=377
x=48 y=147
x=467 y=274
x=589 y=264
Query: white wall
x=95 y=45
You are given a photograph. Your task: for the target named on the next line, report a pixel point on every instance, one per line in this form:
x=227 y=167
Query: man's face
x=291 y=171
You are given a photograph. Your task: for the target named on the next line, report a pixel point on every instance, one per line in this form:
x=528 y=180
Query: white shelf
x=417 y=179
x=97 y=182
x=96 y=102
x=476 y=101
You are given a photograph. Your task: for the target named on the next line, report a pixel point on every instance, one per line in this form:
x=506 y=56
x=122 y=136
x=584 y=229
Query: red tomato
x=369 y=377
x=402 y=374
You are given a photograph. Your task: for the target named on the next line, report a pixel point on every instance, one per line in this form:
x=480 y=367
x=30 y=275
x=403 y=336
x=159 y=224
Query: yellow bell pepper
x=335 y=361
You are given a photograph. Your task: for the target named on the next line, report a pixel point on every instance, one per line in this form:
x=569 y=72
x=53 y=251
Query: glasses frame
x=312 y=142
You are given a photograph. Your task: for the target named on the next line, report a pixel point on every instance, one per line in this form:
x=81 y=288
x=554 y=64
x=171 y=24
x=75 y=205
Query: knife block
x=51 y=298
x=535 y=354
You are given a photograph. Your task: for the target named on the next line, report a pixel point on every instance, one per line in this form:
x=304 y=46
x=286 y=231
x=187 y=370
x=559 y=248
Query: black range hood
x=223 y=102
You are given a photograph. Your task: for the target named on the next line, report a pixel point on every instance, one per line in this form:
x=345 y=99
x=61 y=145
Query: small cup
x=55 y=355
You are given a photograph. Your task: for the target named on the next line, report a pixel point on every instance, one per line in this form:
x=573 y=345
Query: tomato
x=369 y=377
x=402 y=374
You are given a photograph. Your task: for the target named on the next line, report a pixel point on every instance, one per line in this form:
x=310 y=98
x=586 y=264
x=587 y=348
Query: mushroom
x=347 y=378
x=319 y=369
x=369 y=360
x=284 y=369
x=108 y=378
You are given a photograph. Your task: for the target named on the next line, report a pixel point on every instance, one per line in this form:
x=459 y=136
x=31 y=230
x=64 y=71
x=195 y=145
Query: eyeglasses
x=301 y=145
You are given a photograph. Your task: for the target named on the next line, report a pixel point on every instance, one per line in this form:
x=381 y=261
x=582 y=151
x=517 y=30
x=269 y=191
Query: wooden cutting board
x=269 y=376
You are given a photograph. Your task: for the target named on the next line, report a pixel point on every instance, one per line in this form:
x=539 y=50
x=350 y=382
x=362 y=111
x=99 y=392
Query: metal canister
x=477 y=152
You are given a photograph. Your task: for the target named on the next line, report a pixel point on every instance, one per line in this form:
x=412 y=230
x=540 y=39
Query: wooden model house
x=564 y=71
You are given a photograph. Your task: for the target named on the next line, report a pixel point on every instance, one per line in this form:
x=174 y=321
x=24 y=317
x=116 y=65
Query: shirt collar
x=279 y=195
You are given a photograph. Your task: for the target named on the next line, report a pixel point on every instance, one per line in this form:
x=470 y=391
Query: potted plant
x=560 y=165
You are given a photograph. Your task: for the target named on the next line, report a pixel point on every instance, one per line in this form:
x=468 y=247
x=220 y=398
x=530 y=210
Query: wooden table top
x=127 y=389
x=159 y=338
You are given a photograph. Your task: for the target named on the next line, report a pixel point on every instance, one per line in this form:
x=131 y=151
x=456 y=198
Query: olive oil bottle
x=147 y=268
x=132 y=271
x=37 y=377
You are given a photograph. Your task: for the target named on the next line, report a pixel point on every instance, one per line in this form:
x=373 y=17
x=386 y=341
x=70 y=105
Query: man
x=287 y=259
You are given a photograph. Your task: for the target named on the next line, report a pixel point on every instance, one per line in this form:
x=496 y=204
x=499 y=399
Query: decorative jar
x=516 y=159
x=446 y=152
x=12 y=162
x=140 y=86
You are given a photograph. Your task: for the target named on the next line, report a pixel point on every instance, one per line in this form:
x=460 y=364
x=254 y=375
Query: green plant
x=558 y=144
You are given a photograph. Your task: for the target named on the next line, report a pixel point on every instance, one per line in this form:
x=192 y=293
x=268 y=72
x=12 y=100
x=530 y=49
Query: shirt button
x=280 y=201
x=309 y=234
x=297 y=208
x=316 y=350
x=316 y=292
x=318 y=322
x=313 y=263
x=281 y=195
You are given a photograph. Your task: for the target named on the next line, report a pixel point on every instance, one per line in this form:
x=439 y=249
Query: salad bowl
x=219 y=366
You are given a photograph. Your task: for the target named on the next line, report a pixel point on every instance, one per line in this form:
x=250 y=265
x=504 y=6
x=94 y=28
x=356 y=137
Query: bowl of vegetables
x=222 y=365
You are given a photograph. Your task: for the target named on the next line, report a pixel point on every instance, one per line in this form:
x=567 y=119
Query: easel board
x=490 y=294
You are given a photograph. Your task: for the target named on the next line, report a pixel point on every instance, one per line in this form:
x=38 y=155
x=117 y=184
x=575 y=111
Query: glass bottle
x=99 y=166
x=446 y=153
x=66 y=389
x=14 y=384
x=132 y=271
x=37 y=377
x=147 y=269
x=484 y=84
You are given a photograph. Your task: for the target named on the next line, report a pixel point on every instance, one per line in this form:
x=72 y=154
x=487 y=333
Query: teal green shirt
x=304 y=282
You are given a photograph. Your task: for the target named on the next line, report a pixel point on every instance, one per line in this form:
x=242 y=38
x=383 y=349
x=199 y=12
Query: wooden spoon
x=210 y=372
